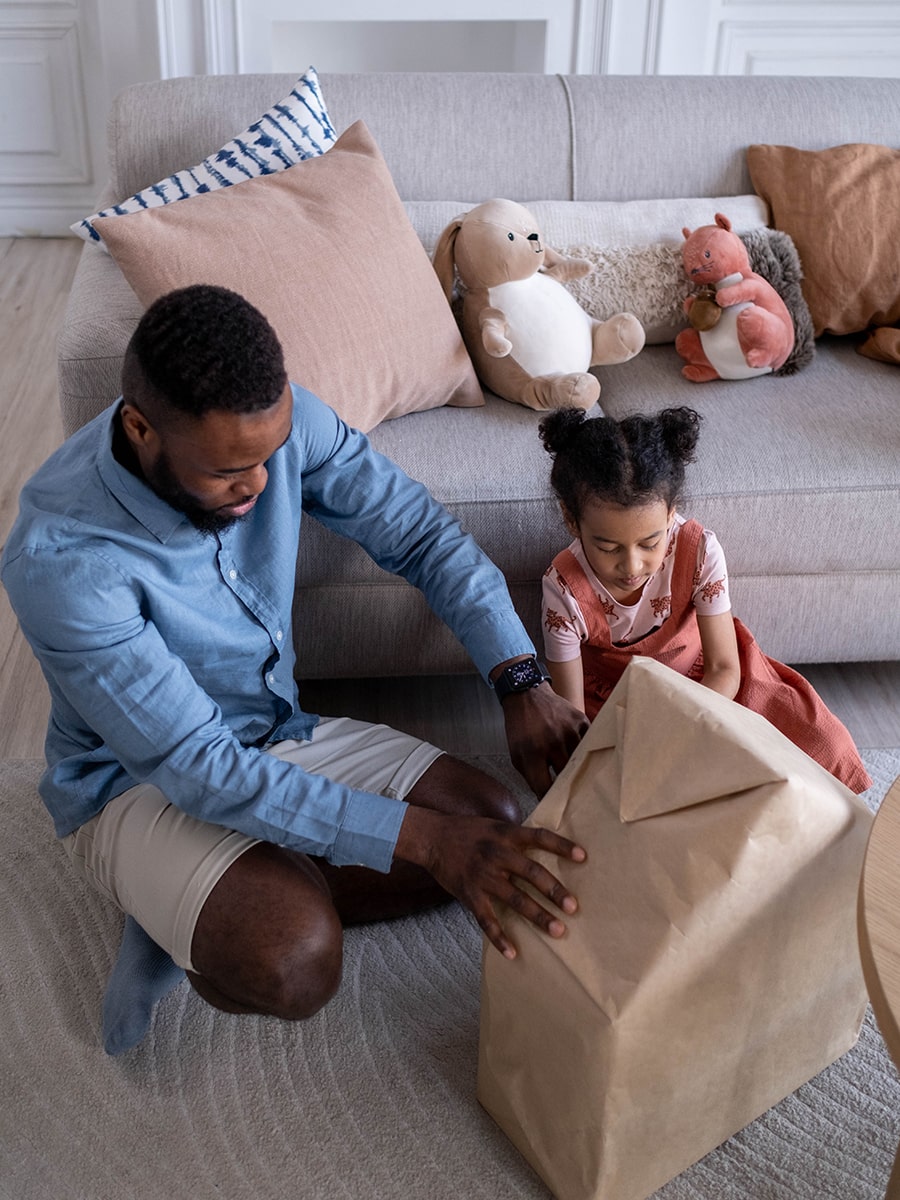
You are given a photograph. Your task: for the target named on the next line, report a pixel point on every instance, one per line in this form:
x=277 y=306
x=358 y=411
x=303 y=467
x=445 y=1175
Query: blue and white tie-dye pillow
x=292 y=130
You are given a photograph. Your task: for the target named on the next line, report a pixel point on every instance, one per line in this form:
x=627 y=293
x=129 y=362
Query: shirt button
x=232 y=574
x=278 y=635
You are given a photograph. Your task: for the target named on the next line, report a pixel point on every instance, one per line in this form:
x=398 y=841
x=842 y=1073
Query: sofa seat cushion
x=817 y=496
x=813 y=461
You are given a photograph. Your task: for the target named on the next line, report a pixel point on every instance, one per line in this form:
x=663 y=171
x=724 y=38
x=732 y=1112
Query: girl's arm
x=721 y=665
x=568 y=681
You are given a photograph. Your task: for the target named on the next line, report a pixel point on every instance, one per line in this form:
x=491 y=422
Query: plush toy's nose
x=536 y=238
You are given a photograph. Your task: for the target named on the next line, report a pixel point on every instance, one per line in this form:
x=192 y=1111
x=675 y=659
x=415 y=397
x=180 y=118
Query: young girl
x=640 y=579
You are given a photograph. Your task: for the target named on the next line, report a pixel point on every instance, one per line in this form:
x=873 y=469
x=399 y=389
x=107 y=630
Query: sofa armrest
x=101 y=316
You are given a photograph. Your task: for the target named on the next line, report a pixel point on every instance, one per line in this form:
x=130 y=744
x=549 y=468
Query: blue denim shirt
x=169 y=654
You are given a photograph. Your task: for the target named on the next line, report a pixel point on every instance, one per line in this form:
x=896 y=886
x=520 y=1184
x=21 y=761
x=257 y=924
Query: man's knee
x=501 y=804
x=285 y=976
x=268 y=938
x=452 y=786
x=300 y=977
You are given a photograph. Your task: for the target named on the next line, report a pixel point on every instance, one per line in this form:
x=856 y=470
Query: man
x=151 y=568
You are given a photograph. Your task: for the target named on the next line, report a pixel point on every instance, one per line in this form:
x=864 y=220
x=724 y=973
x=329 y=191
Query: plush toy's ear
x=723 y=222
x=443 y=257
x=685 y=232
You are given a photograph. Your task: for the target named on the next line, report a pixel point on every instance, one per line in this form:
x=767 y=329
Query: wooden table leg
x=893 y=1188
x=879 y=943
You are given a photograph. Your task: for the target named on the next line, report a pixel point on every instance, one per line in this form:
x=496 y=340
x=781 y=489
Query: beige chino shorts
x=160 y=865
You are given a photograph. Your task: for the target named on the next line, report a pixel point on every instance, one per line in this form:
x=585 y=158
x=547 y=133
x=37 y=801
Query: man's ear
x=137 y=428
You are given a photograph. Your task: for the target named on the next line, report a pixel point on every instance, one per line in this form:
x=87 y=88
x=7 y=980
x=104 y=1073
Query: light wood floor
x=455 y=712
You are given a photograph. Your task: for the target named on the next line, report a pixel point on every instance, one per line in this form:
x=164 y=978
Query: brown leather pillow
x=841 y=207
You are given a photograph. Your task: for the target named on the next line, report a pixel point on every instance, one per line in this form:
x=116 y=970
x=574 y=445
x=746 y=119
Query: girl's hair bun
x=560 y=427
x=680 y=431
x=628 y=462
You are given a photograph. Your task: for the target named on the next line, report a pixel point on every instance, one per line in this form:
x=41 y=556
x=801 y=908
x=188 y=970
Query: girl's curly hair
x=630 y=462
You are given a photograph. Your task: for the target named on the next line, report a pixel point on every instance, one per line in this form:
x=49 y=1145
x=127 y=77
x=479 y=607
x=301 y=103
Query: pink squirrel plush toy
x=740 y=325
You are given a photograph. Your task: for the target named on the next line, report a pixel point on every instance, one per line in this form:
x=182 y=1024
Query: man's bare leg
x=448 y=786
x=269 y=938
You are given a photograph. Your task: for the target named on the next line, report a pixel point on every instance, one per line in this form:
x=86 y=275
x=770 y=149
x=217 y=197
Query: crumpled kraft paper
x=712 y=967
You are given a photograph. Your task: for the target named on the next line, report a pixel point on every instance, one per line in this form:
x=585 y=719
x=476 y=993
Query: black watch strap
x=520 y=677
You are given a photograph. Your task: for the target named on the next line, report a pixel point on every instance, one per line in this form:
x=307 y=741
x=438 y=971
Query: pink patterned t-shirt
x=564 y=624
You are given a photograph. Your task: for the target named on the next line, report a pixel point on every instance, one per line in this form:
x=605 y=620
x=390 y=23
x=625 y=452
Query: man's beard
x=162 y=479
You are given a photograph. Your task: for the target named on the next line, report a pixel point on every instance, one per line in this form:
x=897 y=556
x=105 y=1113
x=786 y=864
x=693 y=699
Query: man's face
x=214 y=469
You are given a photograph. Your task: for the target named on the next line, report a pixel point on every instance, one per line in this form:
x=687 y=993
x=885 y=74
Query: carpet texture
x=373 y=1098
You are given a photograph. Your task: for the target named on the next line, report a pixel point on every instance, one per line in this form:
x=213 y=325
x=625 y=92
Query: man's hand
x=480 y=861
x=542 y=730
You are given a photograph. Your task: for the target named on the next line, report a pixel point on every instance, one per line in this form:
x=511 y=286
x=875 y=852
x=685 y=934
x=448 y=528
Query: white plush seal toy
x=530 y=340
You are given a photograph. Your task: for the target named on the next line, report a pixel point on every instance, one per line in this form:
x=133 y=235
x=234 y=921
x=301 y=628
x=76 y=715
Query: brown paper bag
x=712 y=967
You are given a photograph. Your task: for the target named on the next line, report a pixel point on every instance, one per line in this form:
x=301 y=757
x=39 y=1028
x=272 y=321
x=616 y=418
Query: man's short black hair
x=200 y=349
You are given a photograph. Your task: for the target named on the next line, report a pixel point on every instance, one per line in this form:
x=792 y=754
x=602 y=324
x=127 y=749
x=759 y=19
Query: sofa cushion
x=810 y=499
x=295 y=128
x=841 y=206
x=634 y=247
x=325 y=251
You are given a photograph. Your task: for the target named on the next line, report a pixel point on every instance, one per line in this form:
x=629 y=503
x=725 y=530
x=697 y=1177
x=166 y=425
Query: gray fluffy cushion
x=650 y=282
x=774 y=256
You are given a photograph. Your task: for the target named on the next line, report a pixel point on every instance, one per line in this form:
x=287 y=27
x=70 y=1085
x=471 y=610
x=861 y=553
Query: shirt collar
x=156 y=515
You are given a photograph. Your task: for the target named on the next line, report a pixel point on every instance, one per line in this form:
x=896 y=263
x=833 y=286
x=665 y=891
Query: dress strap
x=684 y=572
x=572 y=577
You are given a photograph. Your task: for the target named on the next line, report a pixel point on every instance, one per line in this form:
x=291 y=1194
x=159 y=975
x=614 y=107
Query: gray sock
x=143 y=974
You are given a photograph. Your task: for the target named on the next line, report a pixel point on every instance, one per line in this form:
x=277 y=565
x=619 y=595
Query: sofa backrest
x=461 y=138
x=577 y=137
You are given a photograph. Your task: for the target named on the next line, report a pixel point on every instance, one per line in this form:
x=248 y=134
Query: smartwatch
x=520 y=677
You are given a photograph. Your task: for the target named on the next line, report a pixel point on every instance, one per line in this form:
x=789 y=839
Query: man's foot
x=143 y=974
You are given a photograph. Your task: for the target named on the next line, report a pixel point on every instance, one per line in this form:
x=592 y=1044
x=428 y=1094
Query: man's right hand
x=481 y=861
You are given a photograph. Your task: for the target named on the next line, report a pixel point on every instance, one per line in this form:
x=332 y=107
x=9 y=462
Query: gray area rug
x=373 y=1098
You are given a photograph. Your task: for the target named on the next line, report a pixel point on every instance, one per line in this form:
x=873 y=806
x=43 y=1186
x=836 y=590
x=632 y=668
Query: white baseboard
x=39 y=220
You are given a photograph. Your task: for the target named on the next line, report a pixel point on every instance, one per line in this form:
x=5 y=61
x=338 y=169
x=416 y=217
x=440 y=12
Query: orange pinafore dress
x=767 y=687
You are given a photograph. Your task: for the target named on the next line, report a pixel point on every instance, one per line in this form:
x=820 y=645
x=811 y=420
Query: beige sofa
x=799 y=475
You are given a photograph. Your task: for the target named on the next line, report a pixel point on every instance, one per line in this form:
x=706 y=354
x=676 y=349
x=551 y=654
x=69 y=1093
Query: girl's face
x=624 y=546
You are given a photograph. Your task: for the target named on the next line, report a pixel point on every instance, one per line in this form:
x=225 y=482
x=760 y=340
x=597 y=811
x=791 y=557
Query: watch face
x=524 y=674
x=519 y=677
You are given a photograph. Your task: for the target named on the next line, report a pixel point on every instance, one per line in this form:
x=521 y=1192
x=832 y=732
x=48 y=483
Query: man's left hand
x=542 y=730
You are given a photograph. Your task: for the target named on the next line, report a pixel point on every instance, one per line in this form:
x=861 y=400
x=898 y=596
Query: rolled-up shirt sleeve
x=359 y=493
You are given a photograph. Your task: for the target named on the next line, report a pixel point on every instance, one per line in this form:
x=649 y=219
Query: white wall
x=61 y=61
